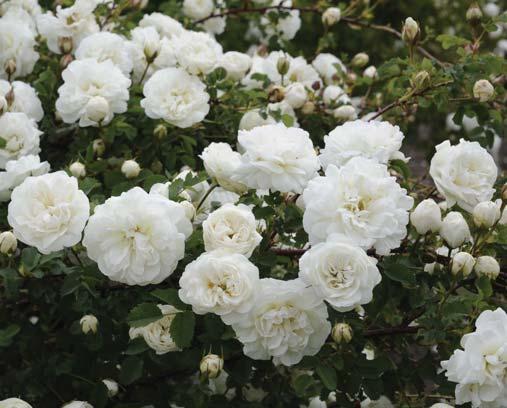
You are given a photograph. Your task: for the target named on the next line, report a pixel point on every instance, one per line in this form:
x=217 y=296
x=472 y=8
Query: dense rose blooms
x=287 y=322
x=48 y=212
x=479 y=369
x=165 y=25
x=221 y=163
x=32 y=7
x=231 y=228
x=92 y=92
x=286 y=27
x=329 y=67
x=455 y=230
x=360 y=202
x=157 y=334
x=76 y=22
x=17 y=44
x=137 y=238
x=103 y=46
x=196 y=52
x=21 y=137
x=21 y=16
x=335 y=95
x=341 y=274
x=16 y=171
x=379 y=141
x=198 y=9
x=236 y=64
x=426 y=217
x=222 y=283
x=253 y=118
x=464 y=173
x=175 y=96
x=145 y=46
x=14 y=403
x=277 y=158
x=23 y=98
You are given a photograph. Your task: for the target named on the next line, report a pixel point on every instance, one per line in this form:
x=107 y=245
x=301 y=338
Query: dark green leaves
x=7 y=334
x=169 y=296
x=131 y=370
x=144 y=314
x=182 y=328
x=328 y=376
x=400 y=269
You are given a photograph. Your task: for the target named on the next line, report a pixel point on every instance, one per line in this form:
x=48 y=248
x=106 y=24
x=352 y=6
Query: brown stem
x=388 y=331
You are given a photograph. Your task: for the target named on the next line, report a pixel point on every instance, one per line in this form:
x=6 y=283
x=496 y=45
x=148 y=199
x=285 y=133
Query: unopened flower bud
x=66 y=60
x=97 y=109
x=211 y=365
x=112 y=387
x=308 y=108
x=10 y=67
x=130 y=168
x=3 y=105
x=341 y=333
x=426 y=217
x=410 y=32
x=486 y=214
x=474 y=14
x=296 y=95
x=360 y=60
x=454 y=229
x=504 y=192
x=420 y=80
x=77 y=169
x=189 y=209
x=65 y=44
x=462 y=263
x=483 y=90
x=157 y=166
x=89 y=323
x=276 y=93
x=283 y=65
x=331 y=16
x=160 y=131
x=345 y=112
x=99 y=147
x=8 y=242
x=370 y=72
x=487 y=266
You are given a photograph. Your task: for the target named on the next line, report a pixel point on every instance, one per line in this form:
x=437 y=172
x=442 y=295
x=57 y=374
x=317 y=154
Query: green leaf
x=328 y=376
x=302 y=383
x=448 y=41
x=136 y=346
x=170 y=297
x=7 y=334
x=131 y=370
x=70 y=284
x=143 y=314
x=483 y=285
x=182 y=328
x=400 y=269
x=30 y=258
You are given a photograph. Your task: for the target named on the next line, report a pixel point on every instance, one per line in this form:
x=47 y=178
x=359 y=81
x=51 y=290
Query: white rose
x=232 y=228
x=236 y=64
x=487 y=266
x=462 y=262
x=296 y=95
x=16 y=171
x=89 y=323
x=479 y=369
x=22 y=98
x=276 y=157
x=112 y=387
x=92 y=92
x=464 y=173
x=454 y=229
x=382 y=402
x=288 y=322
x=76 y=22
x=487 y=213
x=342 y=274
x=331 y=16
x=17 y=43
x=130 y=169
x=175 y=96
x=360 y=202
x=166 y=26
x=483 y=90
x=103 y=46
x=286 y=26
x=145 y=45
x=198 y=9
x=216 y=199
x=32 y=7
x=215 y=25
x=8 y=242
x=503 y=218
x=48 y=212
x=157 y=334
x=221 y=163
x=410 y=30
x=21 y=137
x=334 y=94
x=345 y=113
x=14 y=403
x=370 y=72
x=441 y=405
x=77 y=169
x=426 y=217
x=376 y=140
x=341 y=333
x=137 y=238
x=222 y=283
x=21 y=16
x=211 y=365
x=329 y=67
x=196 y=52
x=78 y=404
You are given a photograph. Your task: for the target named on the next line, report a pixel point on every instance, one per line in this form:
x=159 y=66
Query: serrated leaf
x=328 y=376
x=143 y=314
x=170 y=297
x=182 y=328
x=400 y=269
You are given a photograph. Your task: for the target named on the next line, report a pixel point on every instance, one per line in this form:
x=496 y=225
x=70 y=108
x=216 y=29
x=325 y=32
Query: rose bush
x=264 y=203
